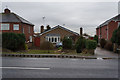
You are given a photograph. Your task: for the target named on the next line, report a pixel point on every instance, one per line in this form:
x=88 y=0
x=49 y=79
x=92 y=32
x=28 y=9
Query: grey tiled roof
x=116 y=18
x=61 y=28
x=12 y=17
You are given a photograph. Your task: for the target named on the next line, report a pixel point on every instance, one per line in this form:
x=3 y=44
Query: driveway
x=104 y=53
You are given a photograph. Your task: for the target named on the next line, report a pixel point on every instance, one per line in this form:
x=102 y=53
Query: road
x=58 y=68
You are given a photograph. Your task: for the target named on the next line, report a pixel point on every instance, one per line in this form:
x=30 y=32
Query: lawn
x=33 y=51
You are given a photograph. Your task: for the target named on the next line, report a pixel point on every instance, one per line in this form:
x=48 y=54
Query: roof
x=12 y=17
x=116 y=18
x=58 y=26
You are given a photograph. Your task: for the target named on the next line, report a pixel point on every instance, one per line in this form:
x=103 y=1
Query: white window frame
x=29 y=29
x=15 y=25
x=49 y=38
x=5 y=24
x=23 y=30
x=118 y=24
x=30 y=37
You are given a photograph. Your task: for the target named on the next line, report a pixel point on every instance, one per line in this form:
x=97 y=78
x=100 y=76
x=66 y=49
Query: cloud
x=73 y=14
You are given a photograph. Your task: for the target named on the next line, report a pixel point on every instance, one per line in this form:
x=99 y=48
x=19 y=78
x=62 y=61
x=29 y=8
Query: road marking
x=25 y=68
x=100 y=58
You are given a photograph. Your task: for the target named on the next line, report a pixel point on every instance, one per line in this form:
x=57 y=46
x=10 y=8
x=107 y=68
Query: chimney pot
x=6 y=10
x=81 y=31
x=42 y=29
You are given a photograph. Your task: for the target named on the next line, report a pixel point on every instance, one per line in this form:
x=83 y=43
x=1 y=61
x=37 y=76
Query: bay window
x=53 y=39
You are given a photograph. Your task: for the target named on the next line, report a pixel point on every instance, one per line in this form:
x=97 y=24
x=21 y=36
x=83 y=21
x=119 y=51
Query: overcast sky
x=73 y=14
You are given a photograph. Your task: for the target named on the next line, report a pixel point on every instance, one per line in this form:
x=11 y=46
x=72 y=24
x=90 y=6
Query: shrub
x=67 y=43
x=13 y=41
x=102 y=43
x=109 y=46
x=116 y=36
x=91 y=44
x=95 y=38
x=60 y=48
x=26 y=46
x=80 y=44
x=47 y=46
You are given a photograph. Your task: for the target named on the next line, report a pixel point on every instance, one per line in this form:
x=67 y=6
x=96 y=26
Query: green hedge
x=80 y=44
x=67 y=43
x=13 y=41
x=91 y=44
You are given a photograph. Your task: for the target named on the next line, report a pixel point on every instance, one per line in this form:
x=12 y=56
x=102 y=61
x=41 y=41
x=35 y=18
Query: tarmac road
x=15 y=67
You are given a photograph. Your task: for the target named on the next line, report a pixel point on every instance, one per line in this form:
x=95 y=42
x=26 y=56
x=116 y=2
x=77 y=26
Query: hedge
x=80 y=44
x=67 y=43
x=13 y=41
x=91 y=44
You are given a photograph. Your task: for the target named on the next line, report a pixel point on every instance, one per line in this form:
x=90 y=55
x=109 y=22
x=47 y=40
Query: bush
x=47 y=46
x=67 y=43
x=91 y=44
x=109 y=46
x=60 y=48
x=116 y=36
x=102 y=43
x=80 y=44
x=95 y=38
x=26 y=46
x=13 y=41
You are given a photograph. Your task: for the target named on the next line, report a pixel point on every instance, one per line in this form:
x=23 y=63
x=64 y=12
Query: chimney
x=48 y=27
x=42 y=29
x=81 y=31
x=7 y=11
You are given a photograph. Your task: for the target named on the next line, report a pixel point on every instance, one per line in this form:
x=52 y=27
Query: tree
x=80 y=44
x=95 y=38
x=116 y=36
x=67 y=43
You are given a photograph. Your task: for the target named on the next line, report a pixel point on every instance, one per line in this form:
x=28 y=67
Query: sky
x=74 y=15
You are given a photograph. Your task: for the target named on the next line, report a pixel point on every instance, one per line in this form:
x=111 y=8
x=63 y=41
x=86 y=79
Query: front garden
x=83 y=47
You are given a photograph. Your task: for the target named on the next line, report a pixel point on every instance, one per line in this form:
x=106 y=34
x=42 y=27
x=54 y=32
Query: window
x=30 y=38
x=29 y=29
x=5 y=27
x=118 y=24
x=23 y=30
x=15 y=26
x=53 y=39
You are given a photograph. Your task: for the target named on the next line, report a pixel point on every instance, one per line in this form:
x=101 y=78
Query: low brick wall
x=51 y=56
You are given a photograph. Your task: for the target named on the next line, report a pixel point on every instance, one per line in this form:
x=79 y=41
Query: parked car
x=59 y=44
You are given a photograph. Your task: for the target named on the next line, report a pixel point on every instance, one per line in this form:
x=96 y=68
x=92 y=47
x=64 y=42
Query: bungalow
x=105 y=30
x=11 y=22
x=54 y=35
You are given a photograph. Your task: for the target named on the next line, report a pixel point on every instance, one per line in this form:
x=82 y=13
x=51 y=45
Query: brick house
x=105 y=30
x=11 y=22
x=54 y=35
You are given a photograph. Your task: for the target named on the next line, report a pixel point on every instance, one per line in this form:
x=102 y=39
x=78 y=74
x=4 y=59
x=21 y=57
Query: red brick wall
x=26 y=31
x=104 y=32
x=111 y=27
x=11 y=28
x=21 y=25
